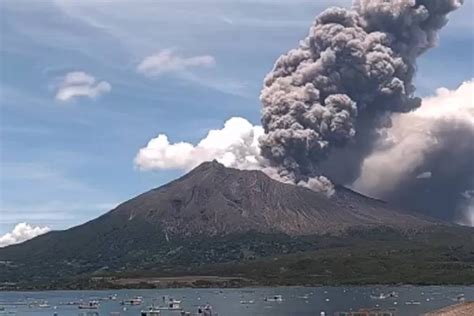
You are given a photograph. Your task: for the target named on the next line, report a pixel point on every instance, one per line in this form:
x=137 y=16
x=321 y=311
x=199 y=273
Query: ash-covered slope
x=215 y=200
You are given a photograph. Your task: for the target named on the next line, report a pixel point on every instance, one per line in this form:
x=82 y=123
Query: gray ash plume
x=355 y=66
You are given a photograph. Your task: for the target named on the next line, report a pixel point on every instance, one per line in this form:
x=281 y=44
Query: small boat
x=171 y=306
x=383 y=296
x=460 y=298
x=44 y=305
x=151 y=311
x=89 y=313
x=167 y=299
x=90 y=305
x=274 y=298
x=133 y=301
x=109 y=298
x=247 y=302
x=206 y=311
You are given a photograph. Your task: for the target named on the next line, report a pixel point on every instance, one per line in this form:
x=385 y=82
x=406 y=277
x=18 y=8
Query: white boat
x=90 y=305
x=247 y=302
x=383 y=296
x=44 y=305
x=274 y=298
x=133 y=301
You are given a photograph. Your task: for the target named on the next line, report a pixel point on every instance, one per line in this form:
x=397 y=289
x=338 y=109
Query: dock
x=462 y=309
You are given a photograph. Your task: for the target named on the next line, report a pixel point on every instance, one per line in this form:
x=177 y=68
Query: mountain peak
x=206 y=165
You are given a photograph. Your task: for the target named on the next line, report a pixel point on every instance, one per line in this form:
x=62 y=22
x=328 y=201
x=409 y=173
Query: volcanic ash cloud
x=355 y=67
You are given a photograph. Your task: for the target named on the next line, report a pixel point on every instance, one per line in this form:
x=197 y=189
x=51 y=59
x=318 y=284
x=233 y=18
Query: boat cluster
x=167 y=304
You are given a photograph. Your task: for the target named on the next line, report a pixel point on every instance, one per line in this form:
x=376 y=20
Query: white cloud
x=80 y=84
x=167 y=61
x=21 y=233
x=235 y=145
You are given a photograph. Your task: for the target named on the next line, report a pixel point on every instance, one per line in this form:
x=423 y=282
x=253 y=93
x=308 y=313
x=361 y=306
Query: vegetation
x=440 y=255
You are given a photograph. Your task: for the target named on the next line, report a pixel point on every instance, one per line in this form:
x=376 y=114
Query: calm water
x=297 y=301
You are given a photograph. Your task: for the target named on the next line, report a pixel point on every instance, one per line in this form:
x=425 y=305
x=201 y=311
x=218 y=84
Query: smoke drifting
x=425 y=159
x=354 y=69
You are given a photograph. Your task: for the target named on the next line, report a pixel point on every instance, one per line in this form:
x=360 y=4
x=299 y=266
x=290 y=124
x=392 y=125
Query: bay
x=411 y=300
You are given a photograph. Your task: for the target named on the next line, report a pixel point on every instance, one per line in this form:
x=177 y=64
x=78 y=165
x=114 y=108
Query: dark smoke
x=449 y=172
x=424 y=161
x=354 y=67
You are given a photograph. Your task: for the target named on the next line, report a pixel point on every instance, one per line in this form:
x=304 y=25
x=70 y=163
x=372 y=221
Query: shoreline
x=221 y=287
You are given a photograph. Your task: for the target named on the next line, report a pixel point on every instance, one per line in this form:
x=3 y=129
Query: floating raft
x=463 y=309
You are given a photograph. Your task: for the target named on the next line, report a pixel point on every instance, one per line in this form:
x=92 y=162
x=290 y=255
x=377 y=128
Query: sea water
x=411 y=300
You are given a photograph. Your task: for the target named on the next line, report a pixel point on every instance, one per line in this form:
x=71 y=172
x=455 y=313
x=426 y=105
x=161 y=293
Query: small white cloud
x=21 y=233
x=80 y=84
x=167 y=61
x=235 y=145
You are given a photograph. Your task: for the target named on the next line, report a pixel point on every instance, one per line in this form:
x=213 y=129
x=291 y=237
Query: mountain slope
x=211 y=214
x=215 y=200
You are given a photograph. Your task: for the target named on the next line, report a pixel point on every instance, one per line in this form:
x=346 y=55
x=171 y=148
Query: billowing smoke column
x=355 y=66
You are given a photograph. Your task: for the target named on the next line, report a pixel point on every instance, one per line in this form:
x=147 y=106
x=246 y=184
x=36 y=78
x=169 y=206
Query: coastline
x=197 y=282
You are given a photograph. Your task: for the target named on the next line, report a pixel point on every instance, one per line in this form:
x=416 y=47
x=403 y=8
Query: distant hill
x=214 y=215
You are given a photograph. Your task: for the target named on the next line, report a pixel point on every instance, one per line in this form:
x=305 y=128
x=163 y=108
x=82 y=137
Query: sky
x=84 y=85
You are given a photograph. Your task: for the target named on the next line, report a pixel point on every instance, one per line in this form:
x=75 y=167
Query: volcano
x=211 y=215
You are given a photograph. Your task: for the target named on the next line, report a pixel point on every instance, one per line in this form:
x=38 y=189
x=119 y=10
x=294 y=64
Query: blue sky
x=66 y=161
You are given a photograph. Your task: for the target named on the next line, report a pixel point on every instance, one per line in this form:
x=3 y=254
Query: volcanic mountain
x=215 y=200
x=213 y=214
